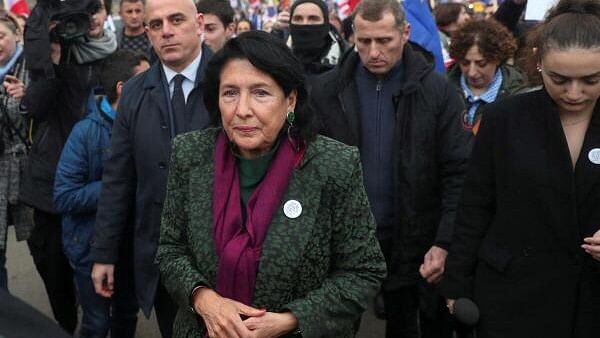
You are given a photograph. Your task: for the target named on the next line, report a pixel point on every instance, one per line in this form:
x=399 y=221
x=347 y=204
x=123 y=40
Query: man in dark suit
x=155 y=106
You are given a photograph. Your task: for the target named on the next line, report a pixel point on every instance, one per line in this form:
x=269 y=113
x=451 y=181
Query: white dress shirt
x=190 y=77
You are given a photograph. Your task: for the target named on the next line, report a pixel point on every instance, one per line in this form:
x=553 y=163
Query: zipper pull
x=378 y=86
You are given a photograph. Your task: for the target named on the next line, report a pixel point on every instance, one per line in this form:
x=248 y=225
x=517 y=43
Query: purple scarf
x=238 y=245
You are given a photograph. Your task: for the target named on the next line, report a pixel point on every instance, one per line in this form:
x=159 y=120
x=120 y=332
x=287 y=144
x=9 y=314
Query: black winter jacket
x=430 y=156
x=55 y=105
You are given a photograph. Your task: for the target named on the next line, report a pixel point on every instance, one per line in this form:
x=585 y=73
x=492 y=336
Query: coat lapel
x=201 y=72
x=287 y=238
x=587 y=173
x=155 y=85
x=200 y=232
x=560 y=173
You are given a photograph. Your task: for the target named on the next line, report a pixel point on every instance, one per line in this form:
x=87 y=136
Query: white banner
x=536 y=9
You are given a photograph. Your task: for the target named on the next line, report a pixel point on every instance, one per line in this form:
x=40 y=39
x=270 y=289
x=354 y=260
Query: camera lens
x=70 y=28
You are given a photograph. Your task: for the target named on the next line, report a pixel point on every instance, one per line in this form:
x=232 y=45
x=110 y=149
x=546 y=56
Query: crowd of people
x=278 y=181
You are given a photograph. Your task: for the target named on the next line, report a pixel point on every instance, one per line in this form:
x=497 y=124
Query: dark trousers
x=45 y=245
x=117 y=314
x=414 y=311
x=3 y=272
x=405 y=319
x=166 y=309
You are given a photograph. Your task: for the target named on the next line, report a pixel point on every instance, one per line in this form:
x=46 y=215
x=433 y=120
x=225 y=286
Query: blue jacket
x=78 y=180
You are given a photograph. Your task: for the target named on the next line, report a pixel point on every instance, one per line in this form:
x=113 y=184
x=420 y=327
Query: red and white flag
x=346 y=7
x=17 y=7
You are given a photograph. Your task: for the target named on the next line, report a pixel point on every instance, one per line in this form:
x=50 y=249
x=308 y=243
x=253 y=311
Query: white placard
x=536 y=9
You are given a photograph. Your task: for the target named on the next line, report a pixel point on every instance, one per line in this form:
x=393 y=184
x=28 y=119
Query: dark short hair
x=118 y=67
x=108 y=6
x=494 y=41
x=131 y=1
x=220 y=8
x=373 y=10
x=570 y=24
x=347 y=29
x=447 y=13
x=244 y=20
x=271 y=56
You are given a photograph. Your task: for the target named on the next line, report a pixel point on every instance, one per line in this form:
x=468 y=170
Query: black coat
x=521 y=220
x=135 y=174
x=430 y=157
x=55 y=105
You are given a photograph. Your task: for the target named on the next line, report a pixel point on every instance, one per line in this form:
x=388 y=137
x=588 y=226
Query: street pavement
x=25 y=283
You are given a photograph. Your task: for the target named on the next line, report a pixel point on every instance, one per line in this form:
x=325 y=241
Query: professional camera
x=72 y=17
x=62 y=21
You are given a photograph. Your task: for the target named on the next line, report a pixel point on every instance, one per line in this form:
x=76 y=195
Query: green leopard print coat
x=324 y=266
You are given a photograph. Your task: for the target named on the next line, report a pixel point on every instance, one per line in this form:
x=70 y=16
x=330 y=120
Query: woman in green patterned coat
x=266 y=228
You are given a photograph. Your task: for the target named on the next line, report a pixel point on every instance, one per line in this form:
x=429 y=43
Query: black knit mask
x=313 y=38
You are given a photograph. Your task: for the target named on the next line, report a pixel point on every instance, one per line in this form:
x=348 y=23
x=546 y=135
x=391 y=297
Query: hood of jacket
x=95 y=114
x=414 y=61
x=512 y=80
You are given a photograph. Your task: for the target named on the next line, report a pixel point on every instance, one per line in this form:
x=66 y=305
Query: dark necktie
x=178 y=104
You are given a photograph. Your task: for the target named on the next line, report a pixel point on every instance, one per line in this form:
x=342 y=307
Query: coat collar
x=512 y=82
x=155 y=75
x=414 y=64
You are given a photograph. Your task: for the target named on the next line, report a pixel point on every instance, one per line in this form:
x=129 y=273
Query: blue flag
x=423 y=30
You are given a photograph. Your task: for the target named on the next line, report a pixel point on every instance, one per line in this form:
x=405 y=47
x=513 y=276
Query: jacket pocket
x=496 y=257
x=77 y=234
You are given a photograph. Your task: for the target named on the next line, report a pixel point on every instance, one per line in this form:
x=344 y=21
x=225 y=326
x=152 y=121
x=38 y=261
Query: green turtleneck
x=252 y=172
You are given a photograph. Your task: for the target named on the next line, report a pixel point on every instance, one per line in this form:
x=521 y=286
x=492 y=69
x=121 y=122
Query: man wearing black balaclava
x=312 y=38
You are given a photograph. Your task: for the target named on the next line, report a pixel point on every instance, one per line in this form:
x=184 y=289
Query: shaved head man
x=174 y=28
x=155 y=106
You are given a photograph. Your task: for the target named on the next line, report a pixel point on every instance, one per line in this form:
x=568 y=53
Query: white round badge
x=594 y=155
x=292 y=209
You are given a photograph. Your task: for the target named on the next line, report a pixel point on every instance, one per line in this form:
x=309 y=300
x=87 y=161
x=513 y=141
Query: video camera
x=72 y=17
x=62 y=21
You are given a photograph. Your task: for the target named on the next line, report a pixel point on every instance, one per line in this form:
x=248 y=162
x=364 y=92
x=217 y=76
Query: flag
x=423 y=29
x=253 y=3
x=271 y=11
x=18 y=7
x=346 y=7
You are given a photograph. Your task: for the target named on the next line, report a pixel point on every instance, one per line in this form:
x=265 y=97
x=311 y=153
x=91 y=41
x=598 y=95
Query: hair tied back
x=582 y=7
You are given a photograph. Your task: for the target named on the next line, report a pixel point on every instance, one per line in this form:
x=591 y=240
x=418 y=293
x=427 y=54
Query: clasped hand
x=592 y=245
x=432 y=268
x=222 y=317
